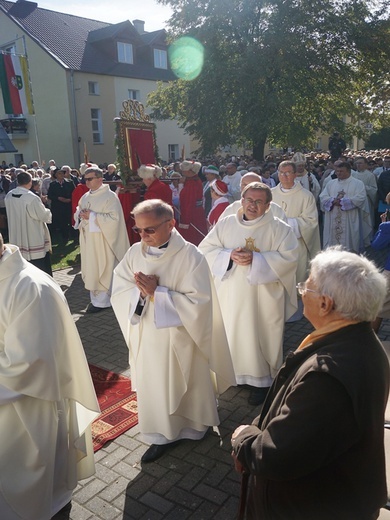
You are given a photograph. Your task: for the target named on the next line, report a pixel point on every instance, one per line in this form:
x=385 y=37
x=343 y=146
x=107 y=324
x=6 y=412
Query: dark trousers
x=44 y=264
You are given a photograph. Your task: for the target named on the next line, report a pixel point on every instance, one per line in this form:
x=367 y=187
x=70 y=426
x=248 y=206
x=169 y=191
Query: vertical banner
x=15 y=85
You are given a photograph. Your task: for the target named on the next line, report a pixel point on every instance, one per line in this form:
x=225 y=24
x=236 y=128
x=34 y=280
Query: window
x=134 y=94
x=97 y=128
x=160 y=59
x=173 y=152
x=125 y=52
x=93 y=88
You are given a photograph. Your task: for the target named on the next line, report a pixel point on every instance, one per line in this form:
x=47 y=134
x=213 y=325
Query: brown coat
x=316 y=451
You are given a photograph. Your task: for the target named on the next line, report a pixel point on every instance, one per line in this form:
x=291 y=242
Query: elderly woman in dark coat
x=316 y=451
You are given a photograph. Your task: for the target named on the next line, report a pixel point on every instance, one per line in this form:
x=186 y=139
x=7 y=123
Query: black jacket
x=316 y=451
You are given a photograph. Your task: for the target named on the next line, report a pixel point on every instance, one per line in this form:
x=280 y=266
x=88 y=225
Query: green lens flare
x=186 y=56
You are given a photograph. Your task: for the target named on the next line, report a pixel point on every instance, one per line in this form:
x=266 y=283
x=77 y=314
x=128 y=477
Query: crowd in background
x=318 y=166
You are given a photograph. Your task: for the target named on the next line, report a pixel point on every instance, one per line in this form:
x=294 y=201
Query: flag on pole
x=15 y=84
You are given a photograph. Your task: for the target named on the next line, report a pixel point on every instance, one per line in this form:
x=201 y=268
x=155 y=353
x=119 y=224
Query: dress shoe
x=257 y=395
x=91 y=309
x=154 y=452
x=64 y=513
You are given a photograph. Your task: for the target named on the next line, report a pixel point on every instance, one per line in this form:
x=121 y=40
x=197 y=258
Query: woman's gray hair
x=354 y=283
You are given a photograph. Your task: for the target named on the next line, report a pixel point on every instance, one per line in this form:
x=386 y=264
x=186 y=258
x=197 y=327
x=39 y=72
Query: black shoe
x=257 y=395
x=91 y=309
x=63 y=514
x=154 y=452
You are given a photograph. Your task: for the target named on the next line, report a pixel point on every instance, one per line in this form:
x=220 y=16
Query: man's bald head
x=248 y=178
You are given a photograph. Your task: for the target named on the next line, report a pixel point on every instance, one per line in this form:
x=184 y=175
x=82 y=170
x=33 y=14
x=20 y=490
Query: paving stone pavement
x=194 y=480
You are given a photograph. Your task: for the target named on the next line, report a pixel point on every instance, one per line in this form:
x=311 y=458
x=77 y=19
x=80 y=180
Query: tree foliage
x=379 y=140
x=278 y=70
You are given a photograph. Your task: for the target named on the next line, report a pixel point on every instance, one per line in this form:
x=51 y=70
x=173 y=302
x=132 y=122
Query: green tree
x=277 y=69
x=378 y=140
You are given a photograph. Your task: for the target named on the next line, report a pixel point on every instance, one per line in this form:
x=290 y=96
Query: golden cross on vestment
x=250 y=245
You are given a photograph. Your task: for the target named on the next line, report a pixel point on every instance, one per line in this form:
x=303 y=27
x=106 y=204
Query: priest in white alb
x=47 y=399
x=253 y=258
x=246 y=179
x=103 y=237
x=347 y=220
x=165 y=302
x=300 y=207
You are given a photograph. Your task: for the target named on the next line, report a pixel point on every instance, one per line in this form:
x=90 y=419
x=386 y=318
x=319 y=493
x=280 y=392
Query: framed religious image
x=135 y=140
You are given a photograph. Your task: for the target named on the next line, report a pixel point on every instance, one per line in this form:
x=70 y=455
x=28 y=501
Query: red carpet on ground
x=118 y=405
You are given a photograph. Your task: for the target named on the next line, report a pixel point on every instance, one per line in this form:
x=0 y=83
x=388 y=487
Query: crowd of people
x=228 y=252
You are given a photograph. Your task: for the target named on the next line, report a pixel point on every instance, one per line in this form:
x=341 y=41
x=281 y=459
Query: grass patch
x=64 y=254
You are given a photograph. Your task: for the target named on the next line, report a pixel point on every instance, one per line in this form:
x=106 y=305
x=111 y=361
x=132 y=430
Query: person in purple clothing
x=380 y=241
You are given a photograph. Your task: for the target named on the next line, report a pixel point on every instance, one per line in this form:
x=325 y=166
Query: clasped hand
x=84 y=214
x=146 y=283
x=241 y=256
x=237 y=464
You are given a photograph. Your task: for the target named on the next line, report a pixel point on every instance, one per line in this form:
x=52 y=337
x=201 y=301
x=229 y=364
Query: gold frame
x=131 y=117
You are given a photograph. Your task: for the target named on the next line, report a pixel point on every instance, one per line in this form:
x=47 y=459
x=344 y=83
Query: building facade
x=81 y=71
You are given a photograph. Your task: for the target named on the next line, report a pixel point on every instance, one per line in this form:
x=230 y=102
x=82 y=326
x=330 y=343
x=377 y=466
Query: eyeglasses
x=257 y=203
x=285 y=174
x=149 y=230
x=87 y=179
x=302 y=289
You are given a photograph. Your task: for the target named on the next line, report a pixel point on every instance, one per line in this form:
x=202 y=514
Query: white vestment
x=370 y=183
x=178 y=350
x=255 y=300
x=233 y=183
x=27 y=223
x=349 y=227
x=275 y=209
x=103 y=238
x=47 y=399
x=301 y=210
x=310 y=183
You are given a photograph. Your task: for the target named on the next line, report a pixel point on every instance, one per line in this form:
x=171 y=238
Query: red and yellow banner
x=15 y=84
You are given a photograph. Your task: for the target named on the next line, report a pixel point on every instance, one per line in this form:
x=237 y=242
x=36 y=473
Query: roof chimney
x=139 y=26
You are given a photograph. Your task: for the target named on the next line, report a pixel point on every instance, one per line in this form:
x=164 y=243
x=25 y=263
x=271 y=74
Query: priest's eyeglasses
x=148 y=230
x=302 y=289
x=258 y=203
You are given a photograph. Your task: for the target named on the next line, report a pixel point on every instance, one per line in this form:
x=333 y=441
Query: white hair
x=354 y=283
